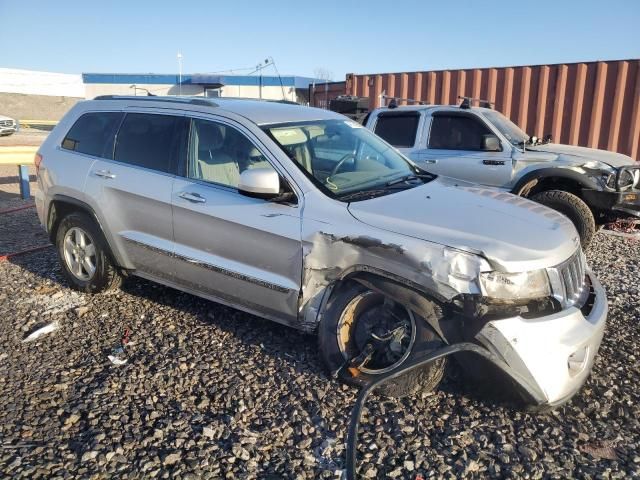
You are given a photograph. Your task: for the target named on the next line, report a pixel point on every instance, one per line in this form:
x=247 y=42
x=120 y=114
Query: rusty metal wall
x=321 y=93
x=592 y=104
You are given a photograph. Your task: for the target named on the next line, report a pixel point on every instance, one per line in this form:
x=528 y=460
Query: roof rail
x=466 y=102
x=190 y=100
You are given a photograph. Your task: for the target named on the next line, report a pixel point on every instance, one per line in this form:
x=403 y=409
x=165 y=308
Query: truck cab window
x=457 y=132
x=398 y=129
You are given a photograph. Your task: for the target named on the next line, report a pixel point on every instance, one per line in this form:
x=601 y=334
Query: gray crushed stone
x=210 y=392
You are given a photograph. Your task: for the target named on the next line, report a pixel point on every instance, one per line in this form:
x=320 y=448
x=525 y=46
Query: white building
x=34 y=95
x=292 y=88
x=29 y=82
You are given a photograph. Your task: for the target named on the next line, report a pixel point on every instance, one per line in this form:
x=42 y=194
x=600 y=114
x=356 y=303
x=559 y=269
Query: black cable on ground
x=356 y=414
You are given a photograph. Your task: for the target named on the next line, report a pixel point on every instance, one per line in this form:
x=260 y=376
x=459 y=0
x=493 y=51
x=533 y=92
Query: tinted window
x=457 y=132
x=148 y=141
x=93 y=134
x=219 y=153
x=398 y=130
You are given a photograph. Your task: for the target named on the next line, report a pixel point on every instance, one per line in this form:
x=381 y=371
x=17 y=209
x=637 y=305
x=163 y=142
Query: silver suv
x=304 y=217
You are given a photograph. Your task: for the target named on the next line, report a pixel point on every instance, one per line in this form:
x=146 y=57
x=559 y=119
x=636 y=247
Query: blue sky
x=339 y=36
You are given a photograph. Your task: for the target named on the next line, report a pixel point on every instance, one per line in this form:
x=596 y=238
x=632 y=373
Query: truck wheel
x=357 y=316
x=84 y=256
x=574 y=208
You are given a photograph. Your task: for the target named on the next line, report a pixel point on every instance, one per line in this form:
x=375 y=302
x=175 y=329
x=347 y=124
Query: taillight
x=37 y=161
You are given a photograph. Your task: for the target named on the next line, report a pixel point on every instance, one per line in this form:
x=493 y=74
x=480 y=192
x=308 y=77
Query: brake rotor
x=379 y=327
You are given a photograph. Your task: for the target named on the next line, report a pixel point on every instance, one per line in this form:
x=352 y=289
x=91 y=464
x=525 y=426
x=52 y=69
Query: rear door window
x=149 y=140
x=457 y=132
x=398 y=129
x=93 y=134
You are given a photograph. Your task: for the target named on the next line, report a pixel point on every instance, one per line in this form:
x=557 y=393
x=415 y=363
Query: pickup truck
x=480 y=145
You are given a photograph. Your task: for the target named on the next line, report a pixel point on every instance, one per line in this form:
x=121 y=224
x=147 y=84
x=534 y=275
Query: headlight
x=626 y=180
x=515 y=286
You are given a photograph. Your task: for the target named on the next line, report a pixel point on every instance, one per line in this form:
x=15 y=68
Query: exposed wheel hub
x=379 y=335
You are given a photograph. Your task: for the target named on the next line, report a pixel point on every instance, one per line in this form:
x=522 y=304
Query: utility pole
x=179 y=73
x=259 y=68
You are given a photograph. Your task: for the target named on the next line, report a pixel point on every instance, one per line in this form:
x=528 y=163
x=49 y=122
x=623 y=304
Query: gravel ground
x=210 y=392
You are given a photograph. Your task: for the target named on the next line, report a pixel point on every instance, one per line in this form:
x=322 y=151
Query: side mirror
x=490 y=143
x=259 y=183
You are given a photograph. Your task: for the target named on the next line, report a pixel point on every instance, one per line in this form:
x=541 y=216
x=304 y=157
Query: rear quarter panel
x=61 y=172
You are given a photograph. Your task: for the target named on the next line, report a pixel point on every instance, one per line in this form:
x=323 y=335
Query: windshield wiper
x=406 y=178
x=362 y=194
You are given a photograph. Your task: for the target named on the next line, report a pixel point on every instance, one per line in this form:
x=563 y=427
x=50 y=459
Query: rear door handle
x=104 y=174
x=193 y=197
x=493 y=162
x=431 y=160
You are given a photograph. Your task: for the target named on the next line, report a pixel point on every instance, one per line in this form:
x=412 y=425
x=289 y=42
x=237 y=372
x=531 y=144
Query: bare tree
x=323 y=74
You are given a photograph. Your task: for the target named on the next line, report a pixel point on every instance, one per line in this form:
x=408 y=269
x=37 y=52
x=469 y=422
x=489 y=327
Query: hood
x=581 y=154
x=2 y=117
x=513 y=233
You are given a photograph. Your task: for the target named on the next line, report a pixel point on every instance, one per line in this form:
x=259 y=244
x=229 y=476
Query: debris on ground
x=601 y=450
x=628 y=228
x=39 y=332
x=118 y=355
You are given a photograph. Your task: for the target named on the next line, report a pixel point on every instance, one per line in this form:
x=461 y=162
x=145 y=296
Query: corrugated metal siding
x=593 y=104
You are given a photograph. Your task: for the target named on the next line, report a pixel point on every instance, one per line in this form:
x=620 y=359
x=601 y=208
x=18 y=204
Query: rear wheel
x=573 y=207
x=364 y=335
x=84 y=256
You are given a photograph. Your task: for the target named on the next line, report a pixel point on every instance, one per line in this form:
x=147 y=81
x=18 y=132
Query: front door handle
x=431 y=161
x=493 y=162
x=193 y=197
x=104 y=174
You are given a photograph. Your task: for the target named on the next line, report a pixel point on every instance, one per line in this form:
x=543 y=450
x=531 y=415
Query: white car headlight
x=515 y=286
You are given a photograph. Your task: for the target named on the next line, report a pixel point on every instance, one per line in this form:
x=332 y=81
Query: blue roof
x=198 y=79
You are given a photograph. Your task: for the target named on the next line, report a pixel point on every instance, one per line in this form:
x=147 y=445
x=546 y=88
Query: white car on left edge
x=8 y=125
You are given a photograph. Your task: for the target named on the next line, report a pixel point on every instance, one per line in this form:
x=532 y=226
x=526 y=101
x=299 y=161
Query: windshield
x=344 y=159
x=509 y=129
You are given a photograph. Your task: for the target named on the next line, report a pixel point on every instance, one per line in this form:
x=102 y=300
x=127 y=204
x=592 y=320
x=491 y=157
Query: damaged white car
x=304 y=217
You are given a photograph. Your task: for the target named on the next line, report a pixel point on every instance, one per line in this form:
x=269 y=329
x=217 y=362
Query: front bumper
x=616 y=202
x=8 y=130
x=550 y=357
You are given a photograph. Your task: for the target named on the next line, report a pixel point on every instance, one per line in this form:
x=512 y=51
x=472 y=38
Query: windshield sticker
x=352 y=124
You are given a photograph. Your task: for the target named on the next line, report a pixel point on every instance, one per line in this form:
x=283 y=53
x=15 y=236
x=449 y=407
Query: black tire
x=106 y=275
x=573 y=207
x=346 y=302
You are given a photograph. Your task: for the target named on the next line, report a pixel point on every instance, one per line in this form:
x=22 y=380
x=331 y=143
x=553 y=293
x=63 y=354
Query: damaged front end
x=406 y=271
x=618 y=195
x=545 y=336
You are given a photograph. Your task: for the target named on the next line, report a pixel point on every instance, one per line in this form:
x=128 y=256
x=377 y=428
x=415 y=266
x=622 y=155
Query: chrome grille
x=568 y=280
x=6 y=123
